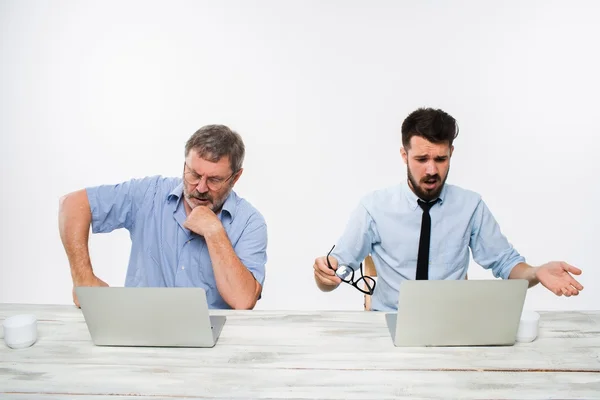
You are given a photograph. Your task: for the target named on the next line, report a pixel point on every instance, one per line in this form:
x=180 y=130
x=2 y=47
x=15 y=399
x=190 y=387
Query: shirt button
x=183 y=267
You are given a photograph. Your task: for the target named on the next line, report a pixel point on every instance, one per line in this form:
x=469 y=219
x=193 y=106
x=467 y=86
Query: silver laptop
x=165 y=317
x=458 y=313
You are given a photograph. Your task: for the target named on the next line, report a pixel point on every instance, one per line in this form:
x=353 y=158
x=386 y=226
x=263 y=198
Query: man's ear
x=404 y=155
x=237 y=176
x=451 y=150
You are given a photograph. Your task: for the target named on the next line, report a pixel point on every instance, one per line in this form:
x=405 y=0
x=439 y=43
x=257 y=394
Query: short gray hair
x=213 y=142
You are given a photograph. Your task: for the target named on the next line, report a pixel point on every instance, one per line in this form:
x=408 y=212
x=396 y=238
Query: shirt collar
x=229 y=206
x=412 y=198
x=176 y=193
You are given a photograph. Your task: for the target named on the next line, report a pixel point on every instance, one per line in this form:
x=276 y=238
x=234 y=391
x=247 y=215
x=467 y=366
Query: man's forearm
x=524 y=271
x=235 y=282
x=74 y=220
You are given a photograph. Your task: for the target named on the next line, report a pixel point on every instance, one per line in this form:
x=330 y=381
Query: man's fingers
x=323 y=261
x=323 y=270
x=572 y=269
x=575 y=284
x=321 y=264
x=326 y=276
x=574 y=291
x=571 y=290
x=75 y=299
x=327 y=279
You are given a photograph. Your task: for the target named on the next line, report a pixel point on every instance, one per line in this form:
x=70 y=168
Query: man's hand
x=203 y=221
x=93 y=281
x=325 y=277
x=556 y=276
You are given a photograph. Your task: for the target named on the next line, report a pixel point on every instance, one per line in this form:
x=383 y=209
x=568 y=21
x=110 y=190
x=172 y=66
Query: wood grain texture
x=278 y=354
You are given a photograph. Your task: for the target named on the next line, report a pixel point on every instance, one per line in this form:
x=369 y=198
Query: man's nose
x=202 y=186
x=431 y=169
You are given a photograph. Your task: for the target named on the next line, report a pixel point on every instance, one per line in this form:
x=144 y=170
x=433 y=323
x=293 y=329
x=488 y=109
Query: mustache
x=430 y=177
x=200 y=196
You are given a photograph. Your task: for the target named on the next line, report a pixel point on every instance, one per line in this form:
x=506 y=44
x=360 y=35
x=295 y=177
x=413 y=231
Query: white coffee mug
x=528 y=326
x=20 y=331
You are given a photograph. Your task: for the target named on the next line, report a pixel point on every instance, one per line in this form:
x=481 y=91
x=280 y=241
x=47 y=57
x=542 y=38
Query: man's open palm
x=556 y=276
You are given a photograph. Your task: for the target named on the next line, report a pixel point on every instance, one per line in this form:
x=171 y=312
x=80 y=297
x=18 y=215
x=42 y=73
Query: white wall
x=104 y=91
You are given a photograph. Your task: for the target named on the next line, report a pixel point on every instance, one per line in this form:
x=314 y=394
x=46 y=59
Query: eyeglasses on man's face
x=213 y=183
x=346 y=274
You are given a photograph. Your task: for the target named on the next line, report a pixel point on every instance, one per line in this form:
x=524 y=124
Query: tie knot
x=426 y=206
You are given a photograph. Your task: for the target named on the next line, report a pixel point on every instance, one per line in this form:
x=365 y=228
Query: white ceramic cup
x=20 y=331
x=528 y=326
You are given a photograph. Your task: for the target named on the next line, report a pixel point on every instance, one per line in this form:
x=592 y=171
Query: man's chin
x=431 y=193
x=193 y=203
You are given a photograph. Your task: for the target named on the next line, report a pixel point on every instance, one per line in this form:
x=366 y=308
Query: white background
x=102 y=92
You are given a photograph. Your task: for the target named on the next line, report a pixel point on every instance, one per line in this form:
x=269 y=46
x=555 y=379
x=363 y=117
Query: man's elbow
x=244 y=304
x=250 y=302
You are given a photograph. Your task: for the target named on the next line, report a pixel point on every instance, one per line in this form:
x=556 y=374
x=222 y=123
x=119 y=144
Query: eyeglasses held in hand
x=346 y=274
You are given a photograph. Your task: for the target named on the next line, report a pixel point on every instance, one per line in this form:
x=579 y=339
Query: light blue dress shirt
x=387 y=225
x=163 y=252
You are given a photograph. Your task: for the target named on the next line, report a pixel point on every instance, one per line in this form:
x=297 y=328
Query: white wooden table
x=278 y=354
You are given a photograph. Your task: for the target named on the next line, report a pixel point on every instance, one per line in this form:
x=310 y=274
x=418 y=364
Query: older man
x=191 y=231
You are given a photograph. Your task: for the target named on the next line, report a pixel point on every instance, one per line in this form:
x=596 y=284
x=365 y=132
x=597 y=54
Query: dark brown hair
x=433 y=125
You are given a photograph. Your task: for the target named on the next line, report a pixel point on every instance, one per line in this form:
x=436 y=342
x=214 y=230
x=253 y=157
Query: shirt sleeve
x=490 y=247
x=357 y=239
x=116 y=206
x=251 y=248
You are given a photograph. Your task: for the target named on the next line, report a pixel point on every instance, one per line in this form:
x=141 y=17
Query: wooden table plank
x=220 y=382
x=519 y=357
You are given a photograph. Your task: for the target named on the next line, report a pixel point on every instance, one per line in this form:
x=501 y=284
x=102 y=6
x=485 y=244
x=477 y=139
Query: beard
x=214 y=203
x=424 y=193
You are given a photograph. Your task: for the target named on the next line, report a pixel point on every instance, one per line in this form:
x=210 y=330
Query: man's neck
x=186 y=207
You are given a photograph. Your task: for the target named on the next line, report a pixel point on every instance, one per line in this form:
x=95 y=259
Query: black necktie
x=423 y=257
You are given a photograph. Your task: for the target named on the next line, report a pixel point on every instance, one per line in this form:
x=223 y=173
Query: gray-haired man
x=192 y=231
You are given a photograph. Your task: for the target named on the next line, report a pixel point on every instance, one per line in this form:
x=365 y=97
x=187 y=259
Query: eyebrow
x=191 y=171
x=208 y=177
x=427 y=156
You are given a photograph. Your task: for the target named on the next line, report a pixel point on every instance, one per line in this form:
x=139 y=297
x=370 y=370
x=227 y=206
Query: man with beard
x=193 y=231
x=423 y=228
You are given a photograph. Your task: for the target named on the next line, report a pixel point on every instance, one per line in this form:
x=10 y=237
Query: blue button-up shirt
x=387 y=225
x=163 y=252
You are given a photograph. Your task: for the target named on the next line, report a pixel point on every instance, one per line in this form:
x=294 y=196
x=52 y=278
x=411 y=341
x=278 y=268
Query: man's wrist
x=82 y=278
x=534 y=275
x=214 y=233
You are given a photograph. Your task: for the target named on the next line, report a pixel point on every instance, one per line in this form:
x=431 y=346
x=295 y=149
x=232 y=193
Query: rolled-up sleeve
x=357 y=239
x=115 y=206
x=490 y=247
x=251 y=248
